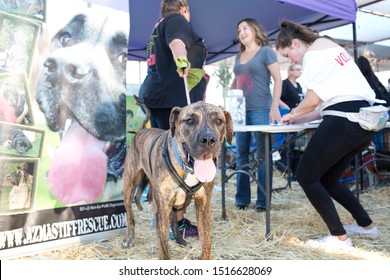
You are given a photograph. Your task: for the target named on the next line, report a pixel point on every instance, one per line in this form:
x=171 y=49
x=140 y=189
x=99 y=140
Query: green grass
x=34 y=152
x=5 y=190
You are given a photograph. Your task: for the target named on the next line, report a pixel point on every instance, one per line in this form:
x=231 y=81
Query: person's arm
x=307 y=105
x=309 y=117
x=21 y=117
x=179 y=53
x=277 y=92
x=234 y=83
x=178 y=49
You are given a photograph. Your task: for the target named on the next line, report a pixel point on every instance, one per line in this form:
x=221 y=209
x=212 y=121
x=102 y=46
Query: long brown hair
x=172 y=6
x=290 y=30
x=261 y=37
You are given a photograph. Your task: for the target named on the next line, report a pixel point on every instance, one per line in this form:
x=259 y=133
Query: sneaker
x=260 y=209
x=171 y=234
x=241 y=207
x=330 y=242
x=355 y=229
x=186 y=229
x=152 y=222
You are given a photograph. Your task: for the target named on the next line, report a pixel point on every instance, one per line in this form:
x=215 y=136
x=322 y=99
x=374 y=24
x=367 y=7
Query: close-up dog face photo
x=63 y=107
x=80 y=93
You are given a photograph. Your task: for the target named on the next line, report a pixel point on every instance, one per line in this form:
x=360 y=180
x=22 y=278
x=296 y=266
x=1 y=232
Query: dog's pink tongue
x=79 y=168
x=205 y=169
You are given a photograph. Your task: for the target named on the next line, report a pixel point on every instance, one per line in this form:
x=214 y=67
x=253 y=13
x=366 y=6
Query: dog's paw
x=127 y=243
x=181 y=242
x=205 y=257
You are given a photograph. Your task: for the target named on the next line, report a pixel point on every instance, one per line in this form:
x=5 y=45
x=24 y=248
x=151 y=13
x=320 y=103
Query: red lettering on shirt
x=342 y=58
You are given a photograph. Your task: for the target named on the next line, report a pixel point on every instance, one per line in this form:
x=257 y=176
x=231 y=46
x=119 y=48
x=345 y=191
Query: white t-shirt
x=334 y=76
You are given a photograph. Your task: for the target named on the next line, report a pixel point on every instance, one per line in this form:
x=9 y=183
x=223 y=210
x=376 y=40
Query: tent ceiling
x=216 y=20
x=372 y=22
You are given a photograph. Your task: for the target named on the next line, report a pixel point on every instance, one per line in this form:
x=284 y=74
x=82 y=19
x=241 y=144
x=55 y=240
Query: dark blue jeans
x=329 y=152
x=243 y=142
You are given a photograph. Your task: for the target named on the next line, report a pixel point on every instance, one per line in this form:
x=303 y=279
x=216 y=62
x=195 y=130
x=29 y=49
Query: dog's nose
x=208 y=139
x=73 y=71
x=51 y=65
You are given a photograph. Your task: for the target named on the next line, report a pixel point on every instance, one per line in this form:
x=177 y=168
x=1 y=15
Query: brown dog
x=167 y=158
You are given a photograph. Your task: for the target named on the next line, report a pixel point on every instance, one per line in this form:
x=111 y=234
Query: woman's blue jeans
x=243 y=143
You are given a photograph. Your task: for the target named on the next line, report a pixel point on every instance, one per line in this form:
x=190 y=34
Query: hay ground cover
x=242 y=235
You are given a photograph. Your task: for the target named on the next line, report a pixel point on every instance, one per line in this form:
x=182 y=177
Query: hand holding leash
x=183 y=66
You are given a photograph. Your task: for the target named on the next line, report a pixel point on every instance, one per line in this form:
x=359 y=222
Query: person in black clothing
x=379 y=89
x=292 y=94
x=172 y=49
x=388 y=85
x=380 y=93
x=172 y=39
x=291 y=90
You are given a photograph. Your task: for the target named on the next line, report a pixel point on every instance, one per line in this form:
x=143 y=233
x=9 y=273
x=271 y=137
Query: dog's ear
x=144 y=109
x=172 y=119
x=229 y=127
x=14 y=142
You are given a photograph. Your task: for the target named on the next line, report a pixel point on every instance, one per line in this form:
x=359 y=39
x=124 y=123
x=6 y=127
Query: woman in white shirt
x=333 y=82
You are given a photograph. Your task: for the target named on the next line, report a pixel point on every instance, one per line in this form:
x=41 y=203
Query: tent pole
x=354 y=41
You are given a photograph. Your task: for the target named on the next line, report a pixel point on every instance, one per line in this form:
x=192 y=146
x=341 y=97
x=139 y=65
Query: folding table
x=267 y=130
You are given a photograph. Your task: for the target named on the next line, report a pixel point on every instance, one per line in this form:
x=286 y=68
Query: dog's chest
x=180 y=195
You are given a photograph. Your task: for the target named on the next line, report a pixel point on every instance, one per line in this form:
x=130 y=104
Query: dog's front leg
x=162 y=212
x=203 y=216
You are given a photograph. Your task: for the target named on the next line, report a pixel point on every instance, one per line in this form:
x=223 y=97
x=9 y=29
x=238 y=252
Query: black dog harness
x=187 y=189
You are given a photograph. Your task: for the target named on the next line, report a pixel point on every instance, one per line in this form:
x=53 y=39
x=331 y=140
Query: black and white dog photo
x=81 y=92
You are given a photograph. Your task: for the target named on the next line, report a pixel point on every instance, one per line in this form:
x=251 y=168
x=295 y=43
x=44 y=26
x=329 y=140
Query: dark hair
x=261 y=37
x=366 y=69
x=290 y=30
x=379 y=89
x=172 y=6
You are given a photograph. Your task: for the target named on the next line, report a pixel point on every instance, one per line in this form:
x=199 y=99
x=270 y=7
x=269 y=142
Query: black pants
x=160 y=118
x=328 y=153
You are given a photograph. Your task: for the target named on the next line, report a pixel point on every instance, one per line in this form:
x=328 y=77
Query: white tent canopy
x=372 y=32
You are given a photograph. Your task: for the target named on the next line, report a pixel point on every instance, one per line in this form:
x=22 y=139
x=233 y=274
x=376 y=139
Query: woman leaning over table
x=334 y=82
x=253 y=68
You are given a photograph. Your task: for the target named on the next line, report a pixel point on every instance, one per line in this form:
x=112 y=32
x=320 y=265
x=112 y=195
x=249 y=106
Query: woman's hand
x=183 y=66
x=274 y=115
x=287 y=119
x=291 y=118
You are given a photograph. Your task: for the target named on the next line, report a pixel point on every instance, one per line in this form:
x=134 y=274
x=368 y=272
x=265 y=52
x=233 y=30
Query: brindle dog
x=167 y=158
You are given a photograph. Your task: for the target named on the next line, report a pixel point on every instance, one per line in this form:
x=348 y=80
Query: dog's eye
x=219 y=121
x=122 y=58
x=190 y=121
x=64 y=40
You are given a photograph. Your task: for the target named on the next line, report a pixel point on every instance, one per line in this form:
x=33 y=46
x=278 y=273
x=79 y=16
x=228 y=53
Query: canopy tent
x=216 y=20
x=372 y=18
x=372 y=36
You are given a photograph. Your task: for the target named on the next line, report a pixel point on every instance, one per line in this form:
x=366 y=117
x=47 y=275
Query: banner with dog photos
x=63 y=122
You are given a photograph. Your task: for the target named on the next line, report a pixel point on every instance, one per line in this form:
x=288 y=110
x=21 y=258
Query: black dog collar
x=187 y=189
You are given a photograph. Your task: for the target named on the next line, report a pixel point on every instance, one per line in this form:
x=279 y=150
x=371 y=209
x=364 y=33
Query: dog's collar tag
x=183 y=165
